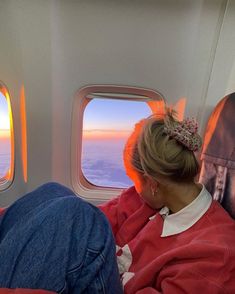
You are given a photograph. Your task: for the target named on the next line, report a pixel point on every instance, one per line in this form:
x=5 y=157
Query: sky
x=4 y=121
x=5 y=146
x=4 y=118
x=105 y=118
x=107 y=124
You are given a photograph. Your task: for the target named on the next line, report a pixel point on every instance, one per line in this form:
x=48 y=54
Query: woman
x=171 y=236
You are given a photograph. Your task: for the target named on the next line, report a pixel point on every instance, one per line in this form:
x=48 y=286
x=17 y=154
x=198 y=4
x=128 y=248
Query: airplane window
x=5 y=138
x=107 y=123
x=107 y=114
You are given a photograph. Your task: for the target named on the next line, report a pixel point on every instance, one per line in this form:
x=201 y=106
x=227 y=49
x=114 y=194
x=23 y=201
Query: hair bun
x=184 y=132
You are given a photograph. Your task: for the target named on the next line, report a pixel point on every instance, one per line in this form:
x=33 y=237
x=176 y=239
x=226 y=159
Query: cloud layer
x=102 y=163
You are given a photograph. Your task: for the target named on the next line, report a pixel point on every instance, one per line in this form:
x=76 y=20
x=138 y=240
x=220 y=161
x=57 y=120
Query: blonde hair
x=153 y=152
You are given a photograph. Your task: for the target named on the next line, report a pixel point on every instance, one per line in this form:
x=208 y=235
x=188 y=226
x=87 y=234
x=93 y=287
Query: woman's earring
x=154 y=192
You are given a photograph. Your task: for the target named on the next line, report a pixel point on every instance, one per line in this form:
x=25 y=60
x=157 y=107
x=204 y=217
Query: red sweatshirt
x=191 y=251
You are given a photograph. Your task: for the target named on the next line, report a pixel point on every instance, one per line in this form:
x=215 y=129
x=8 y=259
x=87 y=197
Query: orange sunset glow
x=23 y=134
x=105 y=134
x=5 y=134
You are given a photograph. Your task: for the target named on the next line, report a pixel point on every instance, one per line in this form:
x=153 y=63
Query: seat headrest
x=218 y=154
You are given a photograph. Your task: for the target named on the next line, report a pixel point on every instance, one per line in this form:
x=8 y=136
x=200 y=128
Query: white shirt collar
x=185 y=218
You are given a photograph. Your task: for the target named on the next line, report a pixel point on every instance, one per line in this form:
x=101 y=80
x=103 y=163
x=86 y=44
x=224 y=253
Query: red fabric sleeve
x=148 y=290
x=127 y=215
x=110 y=209
x=194 y=285
x=193 y=282
x=120 y=208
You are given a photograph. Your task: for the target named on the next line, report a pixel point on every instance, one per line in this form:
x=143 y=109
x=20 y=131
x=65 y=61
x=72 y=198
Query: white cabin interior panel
x=181 y=48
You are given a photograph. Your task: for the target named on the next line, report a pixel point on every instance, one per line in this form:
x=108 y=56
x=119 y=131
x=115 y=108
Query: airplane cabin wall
x=182 y=48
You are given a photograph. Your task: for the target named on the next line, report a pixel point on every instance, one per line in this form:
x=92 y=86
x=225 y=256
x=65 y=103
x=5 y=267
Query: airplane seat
x=218 y=154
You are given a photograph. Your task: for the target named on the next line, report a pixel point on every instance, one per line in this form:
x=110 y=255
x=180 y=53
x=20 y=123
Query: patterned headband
x=184 y=132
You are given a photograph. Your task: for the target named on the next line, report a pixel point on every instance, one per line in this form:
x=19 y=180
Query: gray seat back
x=218 y=154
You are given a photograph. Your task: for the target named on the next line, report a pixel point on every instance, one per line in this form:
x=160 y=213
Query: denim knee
x=63 y=241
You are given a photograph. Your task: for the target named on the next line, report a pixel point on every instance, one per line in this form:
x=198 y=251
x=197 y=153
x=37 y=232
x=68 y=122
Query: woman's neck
x=180 y=195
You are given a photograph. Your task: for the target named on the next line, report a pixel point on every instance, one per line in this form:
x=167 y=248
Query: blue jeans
x=51 y=239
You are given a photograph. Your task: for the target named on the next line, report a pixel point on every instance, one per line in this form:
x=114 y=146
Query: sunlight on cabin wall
x=159 y=107
x=23 y=134
x=180 y=108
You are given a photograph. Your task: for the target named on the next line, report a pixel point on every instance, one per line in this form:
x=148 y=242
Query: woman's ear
x=153 y=184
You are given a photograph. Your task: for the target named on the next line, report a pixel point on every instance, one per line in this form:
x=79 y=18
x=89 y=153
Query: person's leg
x=51 y=239
x=43 y=195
